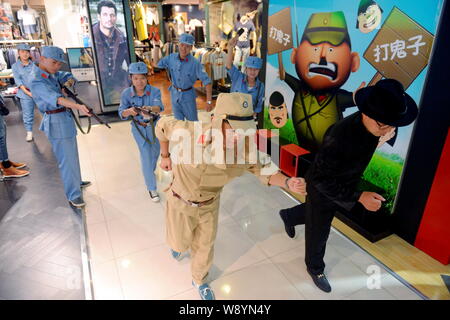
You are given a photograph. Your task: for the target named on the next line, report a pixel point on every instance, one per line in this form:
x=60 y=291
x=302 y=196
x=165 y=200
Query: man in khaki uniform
x=200 y=173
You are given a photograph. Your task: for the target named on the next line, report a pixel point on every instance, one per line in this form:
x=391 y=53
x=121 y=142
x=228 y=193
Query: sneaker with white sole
x=177 y=255
x=29 y=136
x=85 y=184
x=205 y=291
x=154 y=196
x=78 y=202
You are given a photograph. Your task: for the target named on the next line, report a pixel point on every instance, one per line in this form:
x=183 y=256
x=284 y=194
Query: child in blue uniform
x=141 y=94
x=22 y=71
x=247 y=82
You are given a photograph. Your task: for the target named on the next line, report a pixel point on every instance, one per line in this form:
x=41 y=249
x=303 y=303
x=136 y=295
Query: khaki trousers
x=194 y=228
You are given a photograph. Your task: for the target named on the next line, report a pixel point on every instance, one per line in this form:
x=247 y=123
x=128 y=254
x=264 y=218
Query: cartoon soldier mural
x=369 y=16
x=323 y=61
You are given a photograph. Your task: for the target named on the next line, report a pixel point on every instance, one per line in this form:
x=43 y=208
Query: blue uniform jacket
x=239 y=84
x=184 y=73
x=22 y=75
x=46 y=89
x=129 y=99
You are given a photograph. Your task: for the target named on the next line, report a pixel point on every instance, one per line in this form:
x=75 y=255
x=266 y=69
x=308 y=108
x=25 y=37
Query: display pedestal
x=373 y=226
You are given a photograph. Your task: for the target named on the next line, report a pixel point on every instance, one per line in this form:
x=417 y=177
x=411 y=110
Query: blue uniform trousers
x=66 y=153
x=149 y=154
x=27 y=113
x=184 y=105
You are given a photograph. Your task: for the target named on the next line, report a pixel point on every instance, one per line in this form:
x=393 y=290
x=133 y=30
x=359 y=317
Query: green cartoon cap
x=327 y=27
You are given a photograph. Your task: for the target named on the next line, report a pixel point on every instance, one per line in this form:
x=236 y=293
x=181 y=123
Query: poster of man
x=111 y=47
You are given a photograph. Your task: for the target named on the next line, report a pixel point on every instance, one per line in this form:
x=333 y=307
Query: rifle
x=153 y=118
x=74 y=97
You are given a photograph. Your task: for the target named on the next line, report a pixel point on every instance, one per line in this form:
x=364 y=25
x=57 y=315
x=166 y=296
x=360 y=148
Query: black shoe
x=290 y=230
x=321 y=281
x=85 y=184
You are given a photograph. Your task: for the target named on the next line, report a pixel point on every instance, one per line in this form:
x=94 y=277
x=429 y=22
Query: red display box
x=289 y=159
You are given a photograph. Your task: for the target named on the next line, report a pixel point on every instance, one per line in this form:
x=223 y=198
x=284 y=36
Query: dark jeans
x=3 y=150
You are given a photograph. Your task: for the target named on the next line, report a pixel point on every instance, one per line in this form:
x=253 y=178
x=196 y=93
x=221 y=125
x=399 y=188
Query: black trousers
x=317 y=214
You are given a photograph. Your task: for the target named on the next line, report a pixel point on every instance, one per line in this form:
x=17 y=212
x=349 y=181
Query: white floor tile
x=398 y=289
x=93 y=209
x=267 y=230
x=131 y=234
x=234 y=250
x=153 y=274
x=106 y=281
x=99 y=244
x=257 y=282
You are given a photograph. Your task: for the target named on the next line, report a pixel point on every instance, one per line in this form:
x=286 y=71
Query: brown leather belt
x=143 y=124
x=194 y=204
x=182 y=90
x=59 y=110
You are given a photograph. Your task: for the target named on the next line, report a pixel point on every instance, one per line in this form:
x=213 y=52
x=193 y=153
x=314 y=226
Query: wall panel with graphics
x=365 y=42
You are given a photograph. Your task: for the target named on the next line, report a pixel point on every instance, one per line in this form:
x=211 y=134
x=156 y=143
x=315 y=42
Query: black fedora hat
x=387 y=102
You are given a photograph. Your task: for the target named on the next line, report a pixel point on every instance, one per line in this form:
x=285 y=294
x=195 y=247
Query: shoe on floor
x=16 y=165
x=29 y=136
x=177 y=255
x=13 y=172
x=205 y=291
x=85 y=184
x=154 y=196
x=290 y=230
x=78 y=202
x=321 y=281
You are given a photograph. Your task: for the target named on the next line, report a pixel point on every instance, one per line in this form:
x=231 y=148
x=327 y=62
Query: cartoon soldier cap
x=327 y=27
x=235 y=107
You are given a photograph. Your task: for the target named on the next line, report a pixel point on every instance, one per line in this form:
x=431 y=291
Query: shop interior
x=120 y=233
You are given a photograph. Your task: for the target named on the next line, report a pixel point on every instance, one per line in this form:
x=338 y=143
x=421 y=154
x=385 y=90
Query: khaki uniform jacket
x=201 y=182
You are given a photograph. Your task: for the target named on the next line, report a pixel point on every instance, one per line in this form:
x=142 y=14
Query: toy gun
x=146 y=113
x=74 y=97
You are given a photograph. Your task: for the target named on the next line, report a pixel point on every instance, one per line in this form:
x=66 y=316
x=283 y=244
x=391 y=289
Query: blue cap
x=187 y=39
x=54 y=53
x=23 y=46
x=253 y=62
x=138 y=68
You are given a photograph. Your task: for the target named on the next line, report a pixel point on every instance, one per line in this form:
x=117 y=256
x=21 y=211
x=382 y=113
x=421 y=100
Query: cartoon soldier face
x=277 y=110
x=369 y=16
x=324 y=58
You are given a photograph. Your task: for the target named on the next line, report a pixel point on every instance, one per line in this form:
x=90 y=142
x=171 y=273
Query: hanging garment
x=180 y=26
x=140 y=21
x=156 y=51
x=152 y=15
x=217 y=60
x=226 y=17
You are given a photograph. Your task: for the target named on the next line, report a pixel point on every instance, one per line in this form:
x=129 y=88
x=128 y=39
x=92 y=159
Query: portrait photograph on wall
x=320 y=53
x=111 y=48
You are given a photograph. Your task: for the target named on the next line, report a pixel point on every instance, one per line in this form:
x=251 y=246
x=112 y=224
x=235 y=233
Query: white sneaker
x=154 y=196
x=29 y=136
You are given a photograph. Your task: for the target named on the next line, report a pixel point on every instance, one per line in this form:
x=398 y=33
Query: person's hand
x=69 y=83
x=166 y=164
x=84 y=110
x=362 y=85
x=232 y=43
x=297 y=185
x=388 y=136
x=130 y=112
x=371 y=201
x=252 y=51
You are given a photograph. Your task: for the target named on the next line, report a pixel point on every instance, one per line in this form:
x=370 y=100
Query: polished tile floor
x=40 y=234
x=254 y=259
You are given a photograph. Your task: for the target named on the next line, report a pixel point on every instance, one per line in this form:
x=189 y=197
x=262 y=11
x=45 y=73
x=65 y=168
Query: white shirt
x=28 y=16
x=152 y=16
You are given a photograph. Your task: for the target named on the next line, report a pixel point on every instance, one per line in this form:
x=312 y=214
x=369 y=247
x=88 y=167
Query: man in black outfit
x=346 y=151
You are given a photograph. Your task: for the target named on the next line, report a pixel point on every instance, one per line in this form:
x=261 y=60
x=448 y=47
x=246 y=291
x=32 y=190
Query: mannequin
x=244 y=46
x=28 y=21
